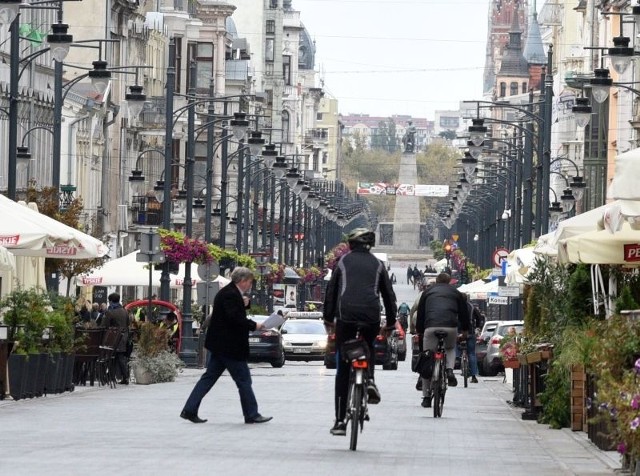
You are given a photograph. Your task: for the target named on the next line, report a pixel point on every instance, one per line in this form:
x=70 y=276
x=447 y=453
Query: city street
x=136 y=430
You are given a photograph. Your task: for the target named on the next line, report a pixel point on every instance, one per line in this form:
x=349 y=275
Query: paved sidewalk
x=136 y=430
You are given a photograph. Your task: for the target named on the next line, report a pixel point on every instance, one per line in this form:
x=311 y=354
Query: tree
x=48 y=203
x=449 y=135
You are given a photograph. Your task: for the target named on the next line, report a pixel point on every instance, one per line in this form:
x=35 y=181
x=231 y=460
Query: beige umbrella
x=602 y=247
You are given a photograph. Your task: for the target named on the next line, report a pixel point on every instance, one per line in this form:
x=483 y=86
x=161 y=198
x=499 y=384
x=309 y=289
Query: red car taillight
x=268 y=333
x=496 y=340
x=380 y=338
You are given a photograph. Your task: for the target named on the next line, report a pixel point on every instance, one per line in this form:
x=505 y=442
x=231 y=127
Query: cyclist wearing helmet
x=352 y=301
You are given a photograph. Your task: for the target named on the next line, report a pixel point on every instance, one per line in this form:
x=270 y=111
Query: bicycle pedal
x=366 y=417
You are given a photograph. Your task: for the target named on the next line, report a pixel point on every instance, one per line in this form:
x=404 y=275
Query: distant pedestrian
x=117 y=316
x=228 y=342
x=409 y=275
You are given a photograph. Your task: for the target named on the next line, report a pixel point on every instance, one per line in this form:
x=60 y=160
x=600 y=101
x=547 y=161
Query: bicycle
x=357 y=353
x=465 y=367
x=439 y=377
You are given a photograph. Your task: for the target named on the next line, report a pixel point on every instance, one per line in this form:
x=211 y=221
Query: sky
x=384 y=57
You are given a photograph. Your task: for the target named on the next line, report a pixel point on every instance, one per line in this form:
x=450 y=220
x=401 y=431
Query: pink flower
x=635 y=402
x=635 y=423
x=622 y=448
x=636 y=367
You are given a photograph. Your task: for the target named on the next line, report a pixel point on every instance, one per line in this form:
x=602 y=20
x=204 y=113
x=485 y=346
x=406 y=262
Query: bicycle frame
x=357 y=397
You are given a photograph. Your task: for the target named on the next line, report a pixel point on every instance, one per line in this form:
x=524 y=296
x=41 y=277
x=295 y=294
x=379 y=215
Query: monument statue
x=409 y=139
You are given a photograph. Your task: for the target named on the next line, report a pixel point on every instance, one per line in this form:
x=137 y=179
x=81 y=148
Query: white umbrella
x=127 y=271
x=602 y=247
x=25 y=232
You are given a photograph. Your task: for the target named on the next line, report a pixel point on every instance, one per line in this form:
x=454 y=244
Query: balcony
x=146 y=211
x=316 y=137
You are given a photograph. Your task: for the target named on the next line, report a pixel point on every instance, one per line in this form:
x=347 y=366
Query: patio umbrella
x=26 y=232
x=602 y=247
x=127 y=271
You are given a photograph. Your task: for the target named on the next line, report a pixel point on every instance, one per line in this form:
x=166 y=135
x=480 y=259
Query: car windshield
x=302 y=327
x=504 y=330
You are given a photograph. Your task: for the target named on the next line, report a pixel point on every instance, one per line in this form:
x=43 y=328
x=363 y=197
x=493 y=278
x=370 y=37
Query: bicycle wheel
x=465 y=369
x=436 y=388
x=356 y=409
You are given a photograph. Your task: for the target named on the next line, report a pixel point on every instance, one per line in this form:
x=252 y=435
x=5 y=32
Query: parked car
x=492 y=362
x=482 y=341
x=266 y=345
x=304 y=339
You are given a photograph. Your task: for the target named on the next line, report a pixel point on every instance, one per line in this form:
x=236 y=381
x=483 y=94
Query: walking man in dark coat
x=117 y=316
x=228 y=341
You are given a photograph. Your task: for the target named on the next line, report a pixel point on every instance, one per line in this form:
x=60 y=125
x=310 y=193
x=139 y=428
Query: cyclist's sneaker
x=426 y=401
x=373 y=393
x=451 y=378
x=339 y=429
x=419 y=384
x=474 y=379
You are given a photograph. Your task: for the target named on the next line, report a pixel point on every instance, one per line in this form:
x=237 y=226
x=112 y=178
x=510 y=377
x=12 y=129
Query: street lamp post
x=165 y=279
x=188 y=352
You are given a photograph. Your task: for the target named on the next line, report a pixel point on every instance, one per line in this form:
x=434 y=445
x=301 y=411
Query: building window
x=503 y=89
x=513 y=89
x=286 y=138
x=268 y=53
x=202 y=54
x=273 y=4
x=318 y=116
x=524 y=87
x=286 y=69
x=271 y=27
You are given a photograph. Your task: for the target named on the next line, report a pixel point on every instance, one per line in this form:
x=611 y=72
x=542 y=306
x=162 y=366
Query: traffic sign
x=499 y=255
x=208 y=271
x=500 y=300
x=511 y=291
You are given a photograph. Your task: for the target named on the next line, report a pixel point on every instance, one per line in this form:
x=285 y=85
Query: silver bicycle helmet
x=362 y=236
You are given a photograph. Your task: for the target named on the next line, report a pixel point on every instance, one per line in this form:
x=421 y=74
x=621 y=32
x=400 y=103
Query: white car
x=304 y=339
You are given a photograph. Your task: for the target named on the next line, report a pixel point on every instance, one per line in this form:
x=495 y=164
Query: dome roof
x=306 y=51
x=230 y=25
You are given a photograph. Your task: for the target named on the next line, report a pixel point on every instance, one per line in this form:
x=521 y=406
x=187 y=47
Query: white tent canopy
x=25 y=232
x=624 y=187
x=582 y=223
x=602 y=247
x=126 y=271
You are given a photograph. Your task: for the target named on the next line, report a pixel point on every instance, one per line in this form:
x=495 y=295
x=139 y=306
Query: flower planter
x=511 y=364
x=534 y=357
x=546 y=354
x=17 y=375
x=578 y=389
x=41 y=374
x=142 y=375
x=53 y=363
x=522 y=358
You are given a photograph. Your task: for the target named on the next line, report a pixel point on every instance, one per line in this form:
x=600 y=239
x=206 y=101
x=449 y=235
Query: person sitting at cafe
x=170 y=322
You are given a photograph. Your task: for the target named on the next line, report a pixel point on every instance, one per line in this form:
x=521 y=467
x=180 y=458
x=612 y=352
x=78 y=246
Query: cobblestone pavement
x=135 y=430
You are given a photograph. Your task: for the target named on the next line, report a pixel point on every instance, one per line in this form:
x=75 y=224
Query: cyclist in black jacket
x=441 y=307
x=352 y=301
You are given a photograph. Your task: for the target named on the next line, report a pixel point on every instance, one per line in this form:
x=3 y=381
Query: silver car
x=492 y=362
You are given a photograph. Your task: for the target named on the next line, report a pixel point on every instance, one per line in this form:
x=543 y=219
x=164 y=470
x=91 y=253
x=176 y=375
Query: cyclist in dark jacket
x=352 y=302
x=441 y=307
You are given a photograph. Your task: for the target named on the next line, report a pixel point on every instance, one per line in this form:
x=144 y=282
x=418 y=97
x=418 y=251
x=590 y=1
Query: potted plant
x=152 y=361
x=25 y=313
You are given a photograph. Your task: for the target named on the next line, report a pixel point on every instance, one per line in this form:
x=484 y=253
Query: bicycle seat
x=440 y=334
